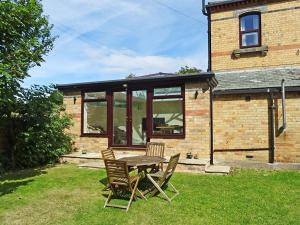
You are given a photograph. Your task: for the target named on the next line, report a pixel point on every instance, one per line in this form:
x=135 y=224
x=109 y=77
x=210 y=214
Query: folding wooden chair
x=161 y=179
x=108 y=154
x=120 y=183
x=156 y=149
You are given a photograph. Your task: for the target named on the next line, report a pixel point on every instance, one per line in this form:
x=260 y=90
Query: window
x=168 y=112
x=94 y=113
x=250 y=30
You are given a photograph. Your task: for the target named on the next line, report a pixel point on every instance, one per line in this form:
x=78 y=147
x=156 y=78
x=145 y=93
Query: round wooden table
x=142 y=160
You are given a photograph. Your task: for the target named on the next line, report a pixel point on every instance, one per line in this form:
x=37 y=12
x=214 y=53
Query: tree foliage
x=31 y=117
x=188 y=70
x=39 y=125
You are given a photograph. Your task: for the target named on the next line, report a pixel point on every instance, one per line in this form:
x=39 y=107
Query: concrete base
x=94 y=160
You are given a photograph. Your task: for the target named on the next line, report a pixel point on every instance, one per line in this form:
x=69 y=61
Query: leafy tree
x=25 y=38
x=188 y=70
x=131 y=75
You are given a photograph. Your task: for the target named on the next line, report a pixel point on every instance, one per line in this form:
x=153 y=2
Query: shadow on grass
x=9 y=182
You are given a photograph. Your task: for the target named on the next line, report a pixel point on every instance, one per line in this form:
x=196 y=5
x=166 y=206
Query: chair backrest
x=117 y=172
x=171 y=167
x=155 y=149
x=108 y=154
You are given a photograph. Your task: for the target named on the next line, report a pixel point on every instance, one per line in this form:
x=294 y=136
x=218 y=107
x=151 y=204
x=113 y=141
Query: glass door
x=138 y=117
x=119 y=126
x=129 y=118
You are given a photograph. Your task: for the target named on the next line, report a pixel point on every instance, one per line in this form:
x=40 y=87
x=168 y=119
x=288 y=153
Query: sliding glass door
x=138 y=117
x=119 y=127
x=129 y=119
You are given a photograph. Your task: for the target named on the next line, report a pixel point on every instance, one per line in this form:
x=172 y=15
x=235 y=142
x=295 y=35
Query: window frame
x=150 y=121
x=258 y=31
x=83 y=100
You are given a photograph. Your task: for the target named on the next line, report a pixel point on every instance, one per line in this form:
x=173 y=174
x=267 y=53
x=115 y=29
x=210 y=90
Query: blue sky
x=109 y=39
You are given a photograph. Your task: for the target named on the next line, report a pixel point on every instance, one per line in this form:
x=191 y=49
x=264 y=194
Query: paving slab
x=217 y=169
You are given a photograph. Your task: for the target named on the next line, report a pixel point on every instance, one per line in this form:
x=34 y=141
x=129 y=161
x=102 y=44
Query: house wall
x=196 y=121
x=197 y=125
x=241 y=124
x=280 y=32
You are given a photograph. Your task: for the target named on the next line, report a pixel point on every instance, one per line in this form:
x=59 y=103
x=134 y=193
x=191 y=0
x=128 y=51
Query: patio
x=66 y=194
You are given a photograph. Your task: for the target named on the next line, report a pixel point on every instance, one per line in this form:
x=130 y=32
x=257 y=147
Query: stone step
x=217 y=170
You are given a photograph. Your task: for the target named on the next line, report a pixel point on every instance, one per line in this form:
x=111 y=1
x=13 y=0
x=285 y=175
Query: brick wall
x=280 y=32
x=241 y=124
x=197 y=125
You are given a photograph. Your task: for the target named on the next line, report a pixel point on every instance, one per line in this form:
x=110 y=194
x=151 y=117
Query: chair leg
x=159 y=188
x=141 y=193
x=108 y=198
x=133 y=193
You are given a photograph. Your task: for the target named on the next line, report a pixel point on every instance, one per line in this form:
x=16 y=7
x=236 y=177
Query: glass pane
x=250 y=39
x=167 y=91
x=167 y=116
x=95 y=117
x=139 y=113
x=120 y=118
x=94 y=95
x=250 y=22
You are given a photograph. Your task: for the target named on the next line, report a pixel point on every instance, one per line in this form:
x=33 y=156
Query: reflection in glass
x=119 y=118
x=139 y=113
x=250 y=22
x=94 y=95
x=250 y=39
x=167 y=116
x=167 y=91
x=95 y=117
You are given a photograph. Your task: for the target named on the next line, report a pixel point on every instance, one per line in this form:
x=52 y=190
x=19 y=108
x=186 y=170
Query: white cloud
x=108 y=39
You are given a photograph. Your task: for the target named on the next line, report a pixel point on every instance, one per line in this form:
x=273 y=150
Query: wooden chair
x=108 y=154
x=156 y=149
x=120 y=183
x=161 y=179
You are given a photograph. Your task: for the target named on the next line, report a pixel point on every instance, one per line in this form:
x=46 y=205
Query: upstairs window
x=250 y=30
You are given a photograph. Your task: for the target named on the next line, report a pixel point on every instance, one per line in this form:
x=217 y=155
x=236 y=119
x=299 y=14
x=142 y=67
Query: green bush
x=40 y=125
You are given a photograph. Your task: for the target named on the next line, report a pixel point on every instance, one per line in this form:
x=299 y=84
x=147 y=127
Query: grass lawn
x=66 y=194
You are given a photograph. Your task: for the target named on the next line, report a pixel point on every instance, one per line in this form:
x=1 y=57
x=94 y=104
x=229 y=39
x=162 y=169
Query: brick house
x=255 y=44
x=239 y=110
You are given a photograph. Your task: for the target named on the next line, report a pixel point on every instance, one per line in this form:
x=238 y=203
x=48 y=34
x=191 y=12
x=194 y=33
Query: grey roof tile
x=263 y=78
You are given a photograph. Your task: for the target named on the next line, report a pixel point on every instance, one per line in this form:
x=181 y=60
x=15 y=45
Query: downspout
x=206 y=12
x=283 y=105
x=211 y=161
x=271 y=128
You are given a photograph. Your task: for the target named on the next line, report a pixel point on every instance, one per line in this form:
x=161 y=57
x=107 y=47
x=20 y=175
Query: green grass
x=66 y=194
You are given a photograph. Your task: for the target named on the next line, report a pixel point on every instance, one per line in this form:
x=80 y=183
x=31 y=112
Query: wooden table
x=142 y=160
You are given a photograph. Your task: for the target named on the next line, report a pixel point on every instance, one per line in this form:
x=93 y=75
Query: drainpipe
x=283 y=105
x=271 y=128
x=211 y=161
x=206 y=12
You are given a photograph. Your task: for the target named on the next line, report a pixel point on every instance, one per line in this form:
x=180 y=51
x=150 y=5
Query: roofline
x=256 y=90
x=226 y=4
x=187 y=77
